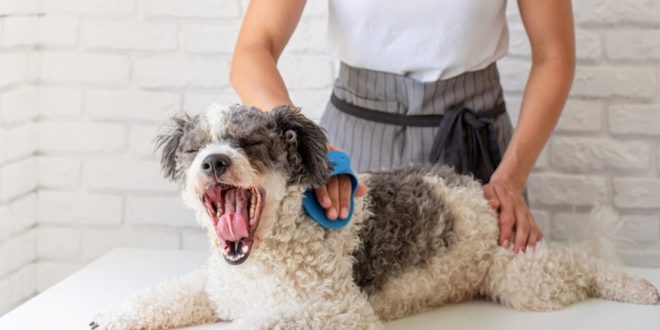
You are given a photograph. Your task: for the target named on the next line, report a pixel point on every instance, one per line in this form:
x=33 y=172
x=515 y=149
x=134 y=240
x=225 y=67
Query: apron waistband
x=466 y=139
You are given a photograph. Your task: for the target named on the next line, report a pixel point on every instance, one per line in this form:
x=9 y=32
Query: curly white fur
x=300 y=276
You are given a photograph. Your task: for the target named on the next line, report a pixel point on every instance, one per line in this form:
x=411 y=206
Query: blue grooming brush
x=341 y=164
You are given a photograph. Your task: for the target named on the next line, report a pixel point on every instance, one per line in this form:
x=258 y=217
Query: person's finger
x=333 y=191
x=506 y=219
x=361 y=190
x=344 y=196
x=533 y=236
x=323 y=197
x=491 y=197
x=522 y=229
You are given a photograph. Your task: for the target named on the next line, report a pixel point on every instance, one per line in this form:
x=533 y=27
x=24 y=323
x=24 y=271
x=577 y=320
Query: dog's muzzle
x=235 y=210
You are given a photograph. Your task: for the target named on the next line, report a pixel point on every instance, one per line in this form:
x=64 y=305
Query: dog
x=421 y=238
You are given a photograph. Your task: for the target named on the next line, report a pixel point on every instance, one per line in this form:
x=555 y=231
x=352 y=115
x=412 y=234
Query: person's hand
x=335 y=196
x=506 y=197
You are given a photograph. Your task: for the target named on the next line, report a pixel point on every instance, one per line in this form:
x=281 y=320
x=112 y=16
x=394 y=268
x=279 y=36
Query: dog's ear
x=306 y=144
x=168 y=140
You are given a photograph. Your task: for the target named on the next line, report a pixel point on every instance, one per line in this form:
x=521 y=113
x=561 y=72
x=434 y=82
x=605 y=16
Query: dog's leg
x=549 y=279
x=174 y=303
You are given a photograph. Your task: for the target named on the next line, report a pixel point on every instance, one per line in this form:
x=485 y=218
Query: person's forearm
x=544 y=98
x=255 y=78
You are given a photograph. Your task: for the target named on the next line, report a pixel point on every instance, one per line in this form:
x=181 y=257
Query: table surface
x=73 y=302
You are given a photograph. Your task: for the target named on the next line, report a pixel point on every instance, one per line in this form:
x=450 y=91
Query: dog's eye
x=191 y=151
x=249 y=144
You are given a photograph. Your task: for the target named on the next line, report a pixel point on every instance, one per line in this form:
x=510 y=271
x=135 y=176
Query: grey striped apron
x=384 y=120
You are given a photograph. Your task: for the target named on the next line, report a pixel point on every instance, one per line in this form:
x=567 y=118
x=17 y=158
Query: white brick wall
x=85 y=85
x=19 y=35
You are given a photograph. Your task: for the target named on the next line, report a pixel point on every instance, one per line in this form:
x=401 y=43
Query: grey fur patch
x=283 y=140
x=307 y=146
x=180 y=143
x=409 y=225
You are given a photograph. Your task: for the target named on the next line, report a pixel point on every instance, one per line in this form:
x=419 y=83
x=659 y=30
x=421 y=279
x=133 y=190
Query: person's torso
x=424 y=39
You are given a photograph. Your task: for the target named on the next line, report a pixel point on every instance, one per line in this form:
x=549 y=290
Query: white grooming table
x=72 y=303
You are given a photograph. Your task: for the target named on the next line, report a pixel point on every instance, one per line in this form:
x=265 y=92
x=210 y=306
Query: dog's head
x=235 y=164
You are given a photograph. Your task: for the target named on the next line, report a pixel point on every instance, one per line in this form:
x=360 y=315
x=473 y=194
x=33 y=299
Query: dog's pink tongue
x=233 y=224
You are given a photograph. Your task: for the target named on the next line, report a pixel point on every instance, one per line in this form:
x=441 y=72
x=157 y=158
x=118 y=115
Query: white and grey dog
x=422 y=237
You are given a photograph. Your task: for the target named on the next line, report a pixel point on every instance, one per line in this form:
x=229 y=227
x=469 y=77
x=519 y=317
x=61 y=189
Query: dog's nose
x=215 y=164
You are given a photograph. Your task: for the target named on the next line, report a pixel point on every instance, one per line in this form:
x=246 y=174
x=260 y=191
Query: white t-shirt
x=424 y=39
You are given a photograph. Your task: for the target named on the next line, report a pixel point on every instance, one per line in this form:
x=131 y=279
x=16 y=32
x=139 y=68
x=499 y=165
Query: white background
x=85 y=84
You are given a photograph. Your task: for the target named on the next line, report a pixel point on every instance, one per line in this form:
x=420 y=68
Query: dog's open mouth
x=235 y=213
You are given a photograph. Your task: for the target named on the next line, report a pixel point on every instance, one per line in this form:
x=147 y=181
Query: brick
x=106 y=7
x=156 y=106
x=23 y=283
x=586 y=154
x=3 y=146
x=60 y=207
x=5 y=291
x=58 y=243
x=542 y=161
x=570 y=226
x=22 y=140
x=125 y=174
x=59 y=172
x=17 y=252
x=20 y=31
x=84 y=68
x=588 y=44
x=158 y=211
x=5 y=223
x=22 y=7
x=581 y=116
x=23 y=213
x=641 y=229
x=635 y=119
x=197 y=102
x=19 y=105
x=306 y=73
x=313 y=103
x=83 y=137
x=56 y=102
x=614 y=81
x=98 y=242
x=195 y=241
x=51 y=272
x=643 y=193
x=200 y=38
x=633 y=45
x=18 y=178
x=542 y=218
x=513 y=74
x=567 y=190
x=58 y=30
x=129 y=35
x=179 y=72
x=141 y=138
x=616 y=11
x=307 y=37
x=33 y=74
x=192 y=8
x=13 y=69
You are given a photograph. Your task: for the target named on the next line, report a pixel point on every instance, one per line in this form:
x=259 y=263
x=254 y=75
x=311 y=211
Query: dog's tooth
x=245 y=248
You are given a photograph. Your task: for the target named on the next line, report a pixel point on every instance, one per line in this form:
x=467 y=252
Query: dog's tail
x=606 y=247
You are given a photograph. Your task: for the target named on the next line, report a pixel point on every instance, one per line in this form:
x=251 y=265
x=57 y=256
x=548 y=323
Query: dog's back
x=429 y=238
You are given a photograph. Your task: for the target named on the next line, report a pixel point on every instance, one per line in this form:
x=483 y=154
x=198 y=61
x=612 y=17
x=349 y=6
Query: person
x=418 y=83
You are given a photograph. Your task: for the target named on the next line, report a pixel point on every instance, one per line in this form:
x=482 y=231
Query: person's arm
x=266 y=29
x=549 y=26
